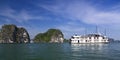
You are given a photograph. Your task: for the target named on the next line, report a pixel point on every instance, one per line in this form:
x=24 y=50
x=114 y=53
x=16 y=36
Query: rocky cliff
x=52 y=35
x=12 y=34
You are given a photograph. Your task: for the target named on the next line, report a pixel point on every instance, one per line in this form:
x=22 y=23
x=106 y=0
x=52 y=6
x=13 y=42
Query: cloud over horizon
x=85 y=12
x=70 y=16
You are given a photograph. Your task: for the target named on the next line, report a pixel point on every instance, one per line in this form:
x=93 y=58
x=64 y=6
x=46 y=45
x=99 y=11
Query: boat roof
x=89 y=35
x=94 y=35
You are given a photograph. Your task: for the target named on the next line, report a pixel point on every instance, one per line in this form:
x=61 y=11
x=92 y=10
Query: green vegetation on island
x=52 y=35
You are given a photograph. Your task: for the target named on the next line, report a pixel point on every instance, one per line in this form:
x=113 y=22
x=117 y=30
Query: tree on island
x=52 y=35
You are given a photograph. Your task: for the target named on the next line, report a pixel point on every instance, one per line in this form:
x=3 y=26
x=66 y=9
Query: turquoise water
x=65 y=51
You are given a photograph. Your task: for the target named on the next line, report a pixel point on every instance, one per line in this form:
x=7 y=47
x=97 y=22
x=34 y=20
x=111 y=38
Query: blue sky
x=70 y=16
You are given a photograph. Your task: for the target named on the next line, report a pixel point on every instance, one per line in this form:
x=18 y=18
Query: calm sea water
x=65 y=51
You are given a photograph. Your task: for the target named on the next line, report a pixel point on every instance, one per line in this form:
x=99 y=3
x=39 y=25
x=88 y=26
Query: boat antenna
x=96 y=29
x=85 y=31
x=105 y=32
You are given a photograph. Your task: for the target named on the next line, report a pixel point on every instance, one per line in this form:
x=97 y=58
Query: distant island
x=52 y=36
x=10 y=33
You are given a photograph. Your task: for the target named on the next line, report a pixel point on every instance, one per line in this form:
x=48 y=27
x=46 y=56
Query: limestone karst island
x=13 y=34
x=10 y=33
x=52 y=35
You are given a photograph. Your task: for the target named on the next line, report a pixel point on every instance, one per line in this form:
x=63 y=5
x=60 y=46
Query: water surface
x=56 y=51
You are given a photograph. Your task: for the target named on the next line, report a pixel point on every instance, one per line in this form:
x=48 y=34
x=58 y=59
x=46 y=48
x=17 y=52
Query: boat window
x=89 y=37
x=97 y=37
x=78 y=41
x=103 y=37
x=94 y=37
x=86 y=40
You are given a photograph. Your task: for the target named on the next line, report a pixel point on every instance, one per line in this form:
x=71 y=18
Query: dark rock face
x=52 y=36
x=22 y=36
x=13 y=34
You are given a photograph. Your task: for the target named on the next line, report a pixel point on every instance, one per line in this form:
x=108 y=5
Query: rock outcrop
x=52 y=36
x=13 y=34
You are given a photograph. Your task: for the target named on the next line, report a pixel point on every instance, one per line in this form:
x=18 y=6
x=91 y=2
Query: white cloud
x=85 y=12
x=19 y=16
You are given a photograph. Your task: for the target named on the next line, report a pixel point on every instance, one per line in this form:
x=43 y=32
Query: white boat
x=89 y=38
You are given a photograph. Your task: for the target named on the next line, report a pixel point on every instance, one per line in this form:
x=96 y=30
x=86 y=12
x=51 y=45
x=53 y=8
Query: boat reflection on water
x=90 y=47
x=89 y=51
